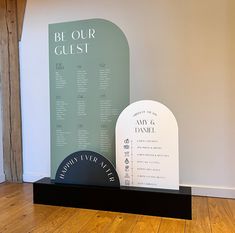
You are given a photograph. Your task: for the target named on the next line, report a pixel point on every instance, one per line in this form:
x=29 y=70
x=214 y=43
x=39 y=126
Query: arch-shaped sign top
x=87 y=168
x=147 y=146
x=89 y=68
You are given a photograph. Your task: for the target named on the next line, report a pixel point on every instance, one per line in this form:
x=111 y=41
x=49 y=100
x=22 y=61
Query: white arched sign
x=147 y=146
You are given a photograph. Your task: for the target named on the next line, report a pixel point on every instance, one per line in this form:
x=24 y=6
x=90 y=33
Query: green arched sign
x=89 y=87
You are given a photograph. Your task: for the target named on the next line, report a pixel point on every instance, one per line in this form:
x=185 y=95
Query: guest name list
x=89 y=87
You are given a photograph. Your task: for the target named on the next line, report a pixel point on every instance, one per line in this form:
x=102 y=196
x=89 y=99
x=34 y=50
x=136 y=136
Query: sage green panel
x=89 y=87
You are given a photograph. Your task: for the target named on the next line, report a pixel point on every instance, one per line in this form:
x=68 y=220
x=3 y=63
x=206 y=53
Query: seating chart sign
x=147 y=146
x=89 y=87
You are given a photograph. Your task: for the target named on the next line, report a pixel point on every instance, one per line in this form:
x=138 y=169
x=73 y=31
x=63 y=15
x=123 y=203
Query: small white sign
x=147 y=146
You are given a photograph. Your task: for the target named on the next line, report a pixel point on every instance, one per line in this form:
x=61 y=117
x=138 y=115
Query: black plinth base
x=156 y=202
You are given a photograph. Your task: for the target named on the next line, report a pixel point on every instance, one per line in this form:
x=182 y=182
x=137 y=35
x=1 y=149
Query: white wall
x=2 y=176
x=182 y=54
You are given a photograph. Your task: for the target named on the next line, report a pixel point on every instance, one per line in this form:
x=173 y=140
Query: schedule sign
x=147 y=146
x=89 y=87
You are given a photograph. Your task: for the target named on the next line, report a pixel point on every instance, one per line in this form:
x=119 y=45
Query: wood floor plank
x=231 y=203
x=148 y=224
x=4 y=187
x=10 y=205
x=15 y=197
x=171 y=225
x=221 y=216
x=77 y=221
x=201 y=219
x=13 y=205
x=99 y=223
x=123 y=222
x=54 y=220
x=7 y=188
x=10 y=189
x=7 y=218
x=27 y=218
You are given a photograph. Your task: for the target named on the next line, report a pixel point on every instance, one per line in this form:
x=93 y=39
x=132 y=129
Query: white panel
x=147 y=146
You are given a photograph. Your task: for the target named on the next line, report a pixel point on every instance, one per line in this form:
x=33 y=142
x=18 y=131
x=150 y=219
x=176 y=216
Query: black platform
x=156 y=202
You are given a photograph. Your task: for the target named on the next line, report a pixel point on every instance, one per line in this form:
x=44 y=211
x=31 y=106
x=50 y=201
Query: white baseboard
x=212 y=191
x=32 y=177
x=2 y=178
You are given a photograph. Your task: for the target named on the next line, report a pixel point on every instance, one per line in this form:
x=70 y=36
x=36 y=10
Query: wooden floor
x=18 y=214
